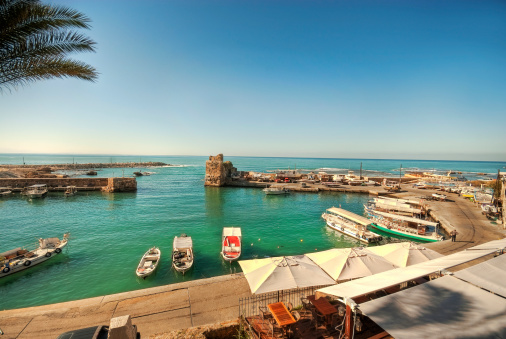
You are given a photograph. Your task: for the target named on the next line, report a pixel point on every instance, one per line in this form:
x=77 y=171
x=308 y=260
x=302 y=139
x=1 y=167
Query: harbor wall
x=58 y=184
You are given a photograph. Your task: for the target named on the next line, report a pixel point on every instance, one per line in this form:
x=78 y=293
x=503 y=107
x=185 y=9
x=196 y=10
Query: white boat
x=350 y=224
x=182 y=253
x=70 y=191
x=36 y=191
x=276 y=190
x=5 y=191
x=149 y=262
x=231 y=243
x=22 y=258
x=440 y=197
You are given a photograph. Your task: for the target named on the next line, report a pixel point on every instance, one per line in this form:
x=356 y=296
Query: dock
x=123 y=184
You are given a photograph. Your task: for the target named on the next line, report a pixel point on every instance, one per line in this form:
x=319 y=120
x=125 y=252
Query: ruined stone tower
x=218 y=172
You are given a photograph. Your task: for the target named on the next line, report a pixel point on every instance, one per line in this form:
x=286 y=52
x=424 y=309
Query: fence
x=249 y=306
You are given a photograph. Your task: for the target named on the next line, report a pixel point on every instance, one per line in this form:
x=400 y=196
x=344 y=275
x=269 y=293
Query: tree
x=35 y=40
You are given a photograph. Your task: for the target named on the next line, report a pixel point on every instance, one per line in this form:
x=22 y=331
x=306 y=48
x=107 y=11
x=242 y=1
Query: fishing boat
x=350 y=224
x=182 y=253
x=276 y=190
x=36 y=191
x=440 y=197
x=231 y=243
x=149 y=262
x=5 y=191
x=402 y=225
x=22 y=258
x=70 y=191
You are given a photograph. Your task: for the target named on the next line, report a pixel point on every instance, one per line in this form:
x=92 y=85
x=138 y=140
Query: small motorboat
x=276 y=190
x=70 y=191
x=5 y=191
x=36 y=191
x=149 y=262
x=231 y=243
x=182 y=253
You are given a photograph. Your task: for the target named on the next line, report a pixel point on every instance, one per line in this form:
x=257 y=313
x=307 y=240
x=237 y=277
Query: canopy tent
x=182 y=242
x=490 y=275
x=408 y=219
x=395 y=277
x=350 y=263
x=391 y=204
x=494 y=244
x=443 y=308
x=350 y=216
x=405 y=253
x=232 y=231
x=283 y=273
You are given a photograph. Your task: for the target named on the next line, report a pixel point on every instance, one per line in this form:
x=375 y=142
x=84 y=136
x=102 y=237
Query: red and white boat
x=231 y=243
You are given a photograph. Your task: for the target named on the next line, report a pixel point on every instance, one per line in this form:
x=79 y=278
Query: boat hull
x=403 y=234
x=350 y=233
x=142 y=272
x=34 y=261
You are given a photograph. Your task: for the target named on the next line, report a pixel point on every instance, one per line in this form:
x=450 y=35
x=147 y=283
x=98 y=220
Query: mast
x=400 y=176
x=361 y=170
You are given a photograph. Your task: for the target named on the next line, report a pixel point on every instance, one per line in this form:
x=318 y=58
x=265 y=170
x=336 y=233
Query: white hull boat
x=149 y=262
x=231 y=243
x=36 y=191
x=276 y=190
x=70 y=191
x=22 y=258
x=350 y=224
x=5 y=191
x=182 y=253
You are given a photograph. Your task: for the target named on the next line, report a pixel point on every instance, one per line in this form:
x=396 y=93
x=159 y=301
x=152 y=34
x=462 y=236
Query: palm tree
x=35 y=40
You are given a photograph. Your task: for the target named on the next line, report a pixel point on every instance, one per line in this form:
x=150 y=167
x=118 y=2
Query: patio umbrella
x=283 y=273
x=405 y=253
x=350 y=263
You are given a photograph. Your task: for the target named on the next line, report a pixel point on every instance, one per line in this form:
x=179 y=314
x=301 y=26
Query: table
x=281 y=314
x=323 y=306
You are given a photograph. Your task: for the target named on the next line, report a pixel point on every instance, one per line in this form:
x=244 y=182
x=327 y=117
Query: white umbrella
x=283 y=273
x=405 y=253
x=350 y=263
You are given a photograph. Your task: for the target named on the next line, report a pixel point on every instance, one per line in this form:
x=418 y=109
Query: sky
x=338 y=79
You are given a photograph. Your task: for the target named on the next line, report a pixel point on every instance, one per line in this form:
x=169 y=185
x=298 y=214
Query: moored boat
x=231 y=243
x=70 y=191
x=36 y=191
x=25 y=257
x=276 y=190
x=350 y=224
x=5 y=191
x=149 y=262
x=182 y=253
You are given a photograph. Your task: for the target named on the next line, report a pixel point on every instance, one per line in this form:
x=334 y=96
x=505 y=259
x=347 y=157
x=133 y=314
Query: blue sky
x=364 y=79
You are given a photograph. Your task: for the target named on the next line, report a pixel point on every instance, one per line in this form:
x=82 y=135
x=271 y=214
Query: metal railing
x=248 y=307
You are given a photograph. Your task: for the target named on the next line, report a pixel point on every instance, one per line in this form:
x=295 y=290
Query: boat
x=440 y=197
x=402 y=225
x=182 y=253
x=70 y=191
x=138 y=174
x=231 y=243
x=5 y=191
x=350 y=224
x=276 y=190
x=36 y=191
x=22 y=258
x=91 y=172
x=149 y=262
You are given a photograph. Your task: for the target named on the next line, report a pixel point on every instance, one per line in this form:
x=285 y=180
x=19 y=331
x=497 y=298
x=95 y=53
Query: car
x=95 y=332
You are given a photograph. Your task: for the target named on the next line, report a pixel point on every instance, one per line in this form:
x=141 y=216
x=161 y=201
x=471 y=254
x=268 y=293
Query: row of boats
x=183 y=256
x=37 y=191
x=399 y=217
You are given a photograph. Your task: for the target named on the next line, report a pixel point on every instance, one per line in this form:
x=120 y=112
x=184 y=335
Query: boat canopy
x=400 y=201
x=232 y=231
x=408 y=219
x=398 y=276
x=442 y=307
x=38 y=186
x=183 y=242
x=392 y=205
x=350 y=216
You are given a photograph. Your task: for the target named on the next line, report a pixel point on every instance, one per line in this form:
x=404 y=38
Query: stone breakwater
x=57 y=167
x=110 y=185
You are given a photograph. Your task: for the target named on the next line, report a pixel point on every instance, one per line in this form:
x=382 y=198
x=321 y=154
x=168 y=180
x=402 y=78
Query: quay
x=82 y=184
x=170 y=311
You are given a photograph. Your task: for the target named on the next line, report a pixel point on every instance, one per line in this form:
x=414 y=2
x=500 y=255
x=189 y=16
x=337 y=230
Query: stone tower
x=217 y=171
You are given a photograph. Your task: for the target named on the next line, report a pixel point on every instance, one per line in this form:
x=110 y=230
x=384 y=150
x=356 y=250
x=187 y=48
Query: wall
x=106 y=184
x=215 y=171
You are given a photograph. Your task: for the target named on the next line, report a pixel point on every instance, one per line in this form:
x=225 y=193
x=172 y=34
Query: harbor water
x=110 y=232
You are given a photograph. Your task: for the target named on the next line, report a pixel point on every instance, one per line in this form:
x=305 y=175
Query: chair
x=264 y=312
x=289 y=306
x=318 y=319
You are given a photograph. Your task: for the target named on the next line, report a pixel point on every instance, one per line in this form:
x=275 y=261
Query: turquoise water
x=110 y=232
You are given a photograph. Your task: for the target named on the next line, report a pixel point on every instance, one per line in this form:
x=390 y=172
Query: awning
x=355 y=288
x=494 y=244
x=232 y=231
x=490 y=275
x=398 y=207
x=350 y=216
x=183 y=242
x=443 y=308
x=408 y=219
